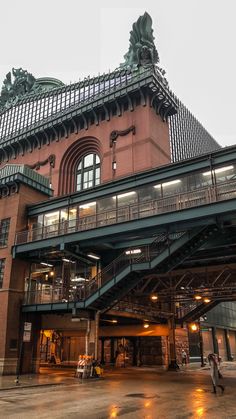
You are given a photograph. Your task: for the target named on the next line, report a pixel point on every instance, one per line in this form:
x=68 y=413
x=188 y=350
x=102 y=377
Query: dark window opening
x=4 y=232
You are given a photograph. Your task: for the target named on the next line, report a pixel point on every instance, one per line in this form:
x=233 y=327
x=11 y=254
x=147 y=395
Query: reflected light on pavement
x=113 y=412
x=200 y=411
x=199 y=390
x=147 y=404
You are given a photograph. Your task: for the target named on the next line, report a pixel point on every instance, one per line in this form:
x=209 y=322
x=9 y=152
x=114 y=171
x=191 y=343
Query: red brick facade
x=148 y=148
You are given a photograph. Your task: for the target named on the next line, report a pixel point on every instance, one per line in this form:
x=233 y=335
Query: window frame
x=88 y=173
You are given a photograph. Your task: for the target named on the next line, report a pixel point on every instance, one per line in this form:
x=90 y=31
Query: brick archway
x=70 y=160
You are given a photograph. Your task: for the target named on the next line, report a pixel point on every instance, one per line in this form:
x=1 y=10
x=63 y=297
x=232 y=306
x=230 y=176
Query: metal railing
x=54 y=294
x=139 y=210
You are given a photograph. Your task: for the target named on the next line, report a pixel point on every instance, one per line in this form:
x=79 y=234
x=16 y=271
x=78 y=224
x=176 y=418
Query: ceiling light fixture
x=91 y=255
x=207 y=300
x=46 y=264
x=220 y=170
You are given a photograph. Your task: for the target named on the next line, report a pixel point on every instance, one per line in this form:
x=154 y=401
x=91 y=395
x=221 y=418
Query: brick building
x=86 y=170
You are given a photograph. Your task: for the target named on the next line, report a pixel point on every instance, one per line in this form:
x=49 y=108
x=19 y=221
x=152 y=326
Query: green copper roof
x=31 y=111
x=23 y=174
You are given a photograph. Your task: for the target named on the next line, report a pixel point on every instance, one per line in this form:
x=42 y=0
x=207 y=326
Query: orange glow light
x=194 y=327
x=207 y=300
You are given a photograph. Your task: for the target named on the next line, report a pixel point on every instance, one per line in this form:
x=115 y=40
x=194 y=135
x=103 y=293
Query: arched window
x=88 y=172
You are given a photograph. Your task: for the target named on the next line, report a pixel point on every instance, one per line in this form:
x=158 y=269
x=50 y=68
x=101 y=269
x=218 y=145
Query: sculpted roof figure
x=22 y=83
x=142 y=50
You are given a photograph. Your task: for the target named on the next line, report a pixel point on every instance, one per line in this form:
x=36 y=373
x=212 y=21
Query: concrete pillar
x=227 y=344
x=214 y=339
x=92 y=337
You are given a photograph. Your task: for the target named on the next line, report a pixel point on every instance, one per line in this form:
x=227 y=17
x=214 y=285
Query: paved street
x=128 y=393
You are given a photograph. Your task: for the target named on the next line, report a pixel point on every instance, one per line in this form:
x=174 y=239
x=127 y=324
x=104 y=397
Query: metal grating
x=188 y=138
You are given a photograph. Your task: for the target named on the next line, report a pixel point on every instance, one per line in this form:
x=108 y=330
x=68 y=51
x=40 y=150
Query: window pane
x=2 y=267
x=51 y=218
x=88 y=173
x=87 y=209
x=63 y=215
x=127 y=198
x=88 y=160
x=4 y=232
x=224 y=174
x=98 y=173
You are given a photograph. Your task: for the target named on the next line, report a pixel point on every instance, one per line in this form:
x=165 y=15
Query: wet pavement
x=130 y=393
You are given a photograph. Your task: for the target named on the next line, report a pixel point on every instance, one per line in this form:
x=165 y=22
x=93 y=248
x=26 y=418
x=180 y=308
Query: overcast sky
x=71 y=39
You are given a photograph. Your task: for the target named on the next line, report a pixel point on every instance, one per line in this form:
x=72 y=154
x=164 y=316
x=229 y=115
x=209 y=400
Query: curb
x=19 y=386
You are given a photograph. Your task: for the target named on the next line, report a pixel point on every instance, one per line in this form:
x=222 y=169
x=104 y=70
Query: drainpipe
x=87 y=337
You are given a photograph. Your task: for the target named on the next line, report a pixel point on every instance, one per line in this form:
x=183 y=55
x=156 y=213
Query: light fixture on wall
x=193 y=327
x=114 y=165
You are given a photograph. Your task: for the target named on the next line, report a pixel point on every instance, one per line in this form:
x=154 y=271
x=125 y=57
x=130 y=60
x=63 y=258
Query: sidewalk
x=51 y=378
x=65 y=376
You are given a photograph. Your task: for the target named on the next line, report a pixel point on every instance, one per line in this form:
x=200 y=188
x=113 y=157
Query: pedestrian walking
x=183 y=357
x=215 y=373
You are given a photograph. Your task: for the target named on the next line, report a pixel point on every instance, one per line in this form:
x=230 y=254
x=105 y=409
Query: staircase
x=192 y=312
x=124 y=273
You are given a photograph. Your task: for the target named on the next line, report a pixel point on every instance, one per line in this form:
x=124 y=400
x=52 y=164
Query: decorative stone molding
x=115 y=134
x=51 y=160
x=7 y=190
